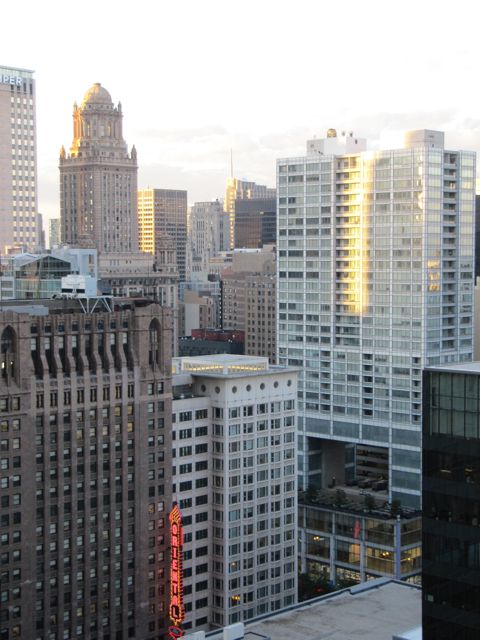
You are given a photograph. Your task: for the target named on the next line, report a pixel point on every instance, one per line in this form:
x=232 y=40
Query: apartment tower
x=375 y=282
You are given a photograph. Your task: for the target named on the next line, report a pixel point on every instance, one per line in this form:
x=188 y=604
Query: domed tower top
x=97 y=95
x=97 y=126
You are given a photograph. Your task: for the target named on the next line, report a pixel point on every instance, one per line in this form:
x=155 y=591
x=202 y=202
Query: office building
x=375 y=282
x=255 y=222
x=163 y=213
x=242 y=190
x=98 y=179
x=234 y=479
x=18 y=161
x=85 y=445
x=451 y=508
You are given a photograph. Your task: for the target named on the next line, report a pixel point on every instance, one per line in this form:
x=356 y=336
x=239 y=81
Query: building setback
x=451 y=508
x=85 y=404
x=98 y=179
x=18 y=161
x=375 y=282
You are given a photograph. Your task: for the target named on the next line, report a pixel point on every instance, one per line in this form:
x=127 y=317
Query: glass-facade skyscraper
x=451 y=508
x=375 y=282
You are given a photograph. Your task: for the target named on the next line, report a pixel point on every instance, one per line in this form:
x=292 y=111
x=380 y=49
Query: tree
x=369 y=502
x=311 y=494
x=340 y=497
x=396 y=508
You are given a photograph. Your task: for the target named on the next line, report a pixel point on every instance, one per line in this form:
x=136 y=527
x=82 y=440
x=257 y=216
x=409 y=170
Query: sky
x=198 y=78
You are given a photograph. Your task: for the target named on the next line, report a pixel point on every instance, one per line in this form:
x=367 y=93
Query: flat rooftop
x=225 y=364
x=376 y=610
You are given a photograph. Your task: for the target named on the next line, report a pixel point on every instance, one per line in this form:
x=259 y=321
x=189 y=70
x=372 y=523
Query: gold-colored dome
x=97 y=95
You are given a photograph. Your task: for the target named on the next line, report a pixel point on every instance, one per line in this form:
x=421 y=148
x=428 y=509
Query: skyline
x=197 y=81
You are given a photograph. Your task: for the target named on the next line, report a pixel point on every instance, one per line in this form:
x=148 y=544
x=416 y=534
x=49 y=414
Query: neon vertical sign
x=177 y=610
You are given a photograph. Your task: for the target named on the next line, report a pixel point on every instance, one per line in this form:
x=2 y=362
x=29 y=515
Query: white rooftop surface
x=225 y=364
x=374 y=613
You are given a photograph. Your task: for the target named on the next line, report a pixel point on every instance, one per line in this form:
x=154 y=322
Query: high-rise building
x=242 y=190
x=18 y=161
x=451 y=509
x=163 y=212
x=85 y=475
x=98 y=179
x=235 y=482
x=375 y=282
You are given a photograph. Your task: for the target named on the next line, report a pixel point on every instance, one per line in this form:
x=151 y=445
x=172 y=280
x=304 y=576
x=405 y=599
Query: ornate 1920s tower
x=98 y=179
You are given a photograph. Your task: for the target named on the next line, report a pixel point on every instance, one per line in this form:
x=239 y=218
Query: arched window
x=153 y=343
x=7 y=350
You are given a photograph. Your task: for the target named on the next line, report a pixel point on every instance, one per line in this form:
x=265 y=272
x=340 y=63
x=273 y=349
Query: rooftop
x=220 y=365
x=376 y=610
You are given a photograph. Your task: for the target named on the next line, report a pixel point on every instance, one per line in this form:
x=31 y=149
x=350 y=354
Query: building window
x=7 y=350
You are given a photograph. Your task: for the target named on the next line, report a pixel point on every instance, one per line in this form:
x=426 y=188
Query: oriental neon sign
x=177 y=610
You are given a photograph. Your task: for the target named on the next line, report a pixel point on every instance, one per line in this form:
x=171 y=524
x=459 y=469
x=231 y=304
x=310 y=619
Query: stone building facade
x=98 y=179
x=85 y=405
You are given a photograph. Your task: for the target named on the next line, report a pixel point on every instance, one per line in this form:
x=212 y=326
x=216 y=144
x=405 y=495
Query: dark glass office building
x=451 y=503
x=255 y=222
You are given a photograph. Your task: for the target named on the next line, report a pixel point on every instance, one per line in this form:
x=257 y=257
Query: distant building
x=211 y=341
x=98 y=179
x=242 y=190
x=41 y=244
x=18 y=162
x=163 y=212
x=235 y=481
x=208 y=234
x=54 y=232
x=197 y=311
x=451 y=507
x=28 y=276
x=249 y=302
x=255 y=222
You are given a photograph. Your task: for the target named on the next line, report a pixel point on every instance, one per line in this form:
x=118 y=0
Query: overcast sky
x=199 y=77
